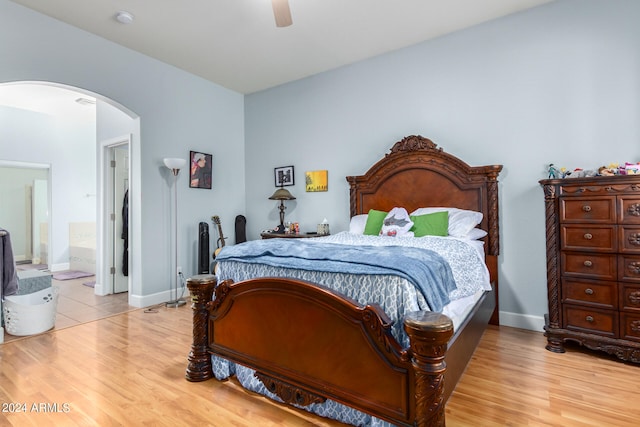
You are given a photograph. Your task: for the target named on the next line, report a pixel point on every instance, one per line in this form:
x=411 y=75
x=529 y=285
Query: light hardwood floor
x=78 y=304
x=128 y=369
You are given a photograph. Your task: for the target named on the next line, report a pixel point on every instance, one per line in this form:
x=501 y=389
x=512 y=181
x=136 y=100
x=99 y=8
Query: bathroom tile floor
x=78 y=304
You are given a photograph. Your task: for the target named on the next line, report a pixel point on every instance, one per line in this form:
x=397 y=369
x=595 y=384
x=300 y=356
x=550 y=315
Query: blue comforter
x=425 y=269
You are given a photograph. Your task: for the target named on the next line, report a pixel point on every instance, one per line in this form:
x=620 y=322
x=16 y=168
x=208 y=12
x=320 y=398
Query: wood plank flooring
x=78 y=304
x=128 y=370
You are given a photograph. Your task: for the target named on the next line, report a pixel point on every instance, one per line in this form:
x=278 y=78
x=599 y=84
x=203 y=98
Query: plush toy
x=632 y=168
x=576 y=173
x=581 y=173
x=397 y=223
x=605 y=171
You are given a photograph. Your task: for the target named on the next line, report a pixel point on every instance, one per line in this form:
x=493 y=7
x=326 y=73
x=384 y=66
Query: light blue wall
x=178 y=112
x=555 y=84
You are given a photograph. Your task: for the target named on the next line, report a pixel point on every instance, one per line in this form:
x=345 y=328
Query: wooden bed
x=374 y=374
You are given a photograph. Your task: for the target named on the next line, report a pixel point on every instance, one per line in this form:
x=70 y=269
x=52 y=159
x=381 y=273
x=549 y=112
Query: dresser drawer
x=593 y=320
x=599 y=237
x=629 y=210
x=629 y=239
x=592 y=293
x=630 y=297
x=630 y=326
x=629 y=267
x=584 y=209
x=589 y=265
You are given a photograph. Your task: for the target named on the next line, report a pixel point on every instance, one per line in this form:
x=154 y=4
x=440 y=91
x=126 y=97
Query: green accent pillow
x=433 y=224
x=374 y=222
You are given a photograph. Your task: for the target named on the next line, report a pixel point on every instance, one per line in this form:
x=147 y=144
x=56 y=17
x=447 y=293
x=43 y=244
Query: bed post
x=201 y=288
x=429 y=333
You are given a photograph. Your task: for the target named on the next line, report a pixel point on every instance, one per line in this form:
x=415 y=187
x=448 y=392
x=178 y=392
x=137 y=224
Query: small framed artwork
x=200 y=170
x=316 y=181
x=284 y=176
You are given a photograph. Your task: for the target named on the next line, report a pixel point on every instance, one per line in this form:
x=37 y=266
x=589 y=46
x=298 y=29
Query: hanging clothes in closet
x=125 y=234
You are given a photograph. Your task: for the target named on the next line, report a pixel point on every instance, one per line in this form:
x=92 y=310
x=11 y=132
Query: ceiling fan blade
x=282 y=13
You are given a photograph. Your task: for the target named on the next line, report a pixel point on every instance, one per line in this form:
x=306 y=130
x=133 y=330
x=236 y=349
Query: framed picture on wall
x=316 y=181
x=200 y=170
x=284 y=176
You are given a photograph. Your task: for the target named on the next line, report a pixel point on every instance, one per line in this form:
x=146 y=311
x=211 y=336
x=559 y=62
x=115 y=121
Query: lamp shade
x=174 y=163
x=281 y=194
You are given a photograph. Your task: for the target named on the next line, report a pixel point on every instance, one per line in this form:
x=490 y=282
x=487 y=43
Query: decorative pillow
x=475 y=234
x=357 y=224
x=397 y=223
x=374 y=222
x=433 y=224
x=461 y=221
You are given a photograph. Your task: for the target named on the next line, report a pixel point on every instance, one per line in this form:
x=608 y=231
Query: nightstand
x=271 y=235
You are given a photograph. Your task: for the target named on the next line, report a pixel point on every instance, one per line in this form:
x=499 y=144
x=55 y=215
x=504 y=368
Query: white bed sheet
x=458 y=310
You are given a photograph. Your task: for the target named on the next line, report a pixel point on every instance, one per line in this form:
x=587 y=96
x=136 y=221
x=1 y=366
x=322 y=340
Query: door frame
x=105 y=239
x=47 y=166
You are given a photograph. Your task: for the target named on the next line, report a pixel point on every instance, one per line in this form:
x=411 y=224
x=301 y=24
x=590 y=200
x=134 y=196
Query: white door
x=40 y=222
x=120 y=215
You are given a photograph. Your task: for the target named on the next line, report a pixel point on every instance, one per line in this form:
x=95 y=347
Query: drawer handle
x=634 y=267
x=634 y=239
x=634 y=297
x=586 y=208
x=635 y=326
x=589 y=319
x=589 y=291
x=588 y=263
x=588 y=236
x=634 y=209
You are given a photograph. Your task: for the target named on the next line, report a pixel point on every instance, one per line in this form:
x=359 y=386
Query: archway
x=111 y=120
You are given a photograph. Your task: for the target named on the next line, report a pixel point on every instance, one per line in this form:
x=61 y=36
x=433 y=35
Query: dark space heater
x=203 y=248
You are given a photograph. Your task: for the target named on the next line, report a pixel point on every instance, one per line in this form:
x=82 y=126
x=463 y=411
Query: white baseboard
x=99 y=289
x=522 y=321
x=157 y=298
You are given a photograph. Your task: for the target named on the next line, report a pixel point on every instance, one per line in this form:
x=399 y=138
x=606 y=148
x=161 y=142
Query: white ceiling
x=50 y=99
x=236 y=44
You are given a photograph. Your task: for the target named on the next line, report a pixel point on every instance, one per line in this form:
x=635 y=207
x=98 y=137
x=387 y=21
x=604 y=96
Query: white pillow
x=475 y=234
x=461 y=221
x=397 y=223
x=357 y=224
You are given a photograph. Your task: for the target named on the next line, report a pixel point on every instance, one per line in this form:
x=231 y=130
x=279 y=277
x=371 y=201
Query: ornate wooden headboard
x=416 y=173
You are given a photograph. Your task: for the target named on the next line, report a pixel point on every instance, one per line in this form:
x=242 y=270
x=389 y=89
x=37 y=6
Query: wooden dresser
x=593 y=264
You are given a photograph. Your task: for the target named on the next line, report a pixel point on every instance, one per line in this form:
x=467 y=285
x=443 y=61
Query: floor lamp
x=174 y=166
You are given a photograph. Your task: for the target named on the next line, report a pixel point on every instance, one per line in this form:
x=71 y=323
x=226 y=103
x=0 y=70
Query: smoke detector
x=124 y=17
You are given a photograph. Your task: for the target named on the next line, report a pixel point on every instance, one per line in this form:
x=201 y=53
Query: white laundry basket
x=30 y=314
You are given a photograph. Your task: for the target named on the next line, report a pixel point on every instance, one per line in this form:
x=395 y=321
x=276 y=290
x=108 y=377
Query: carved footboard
x=308 y=343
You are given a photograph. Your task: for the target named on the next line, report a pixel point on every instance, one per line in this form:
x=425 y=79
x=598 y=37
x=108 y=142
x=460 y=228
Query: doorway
x=24 y=190
x=115 y=192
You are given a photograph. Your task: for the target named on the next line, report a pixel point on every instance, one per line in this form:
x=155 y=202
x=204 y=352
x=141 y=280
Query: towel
x=8 y=276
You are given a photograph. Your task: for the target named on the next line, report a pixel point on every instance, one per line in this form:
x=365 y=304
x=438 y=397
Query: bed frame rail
x=323 y=347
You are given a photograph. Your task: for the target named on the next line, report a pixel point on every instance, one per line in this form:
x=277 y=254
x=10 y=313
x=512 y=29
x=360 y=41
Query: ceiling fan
x=282 y=13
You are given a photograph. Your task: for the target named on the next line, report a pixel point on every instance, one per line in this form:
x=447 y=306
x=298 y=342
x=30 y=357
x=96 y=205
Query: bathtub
x=30 y=314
